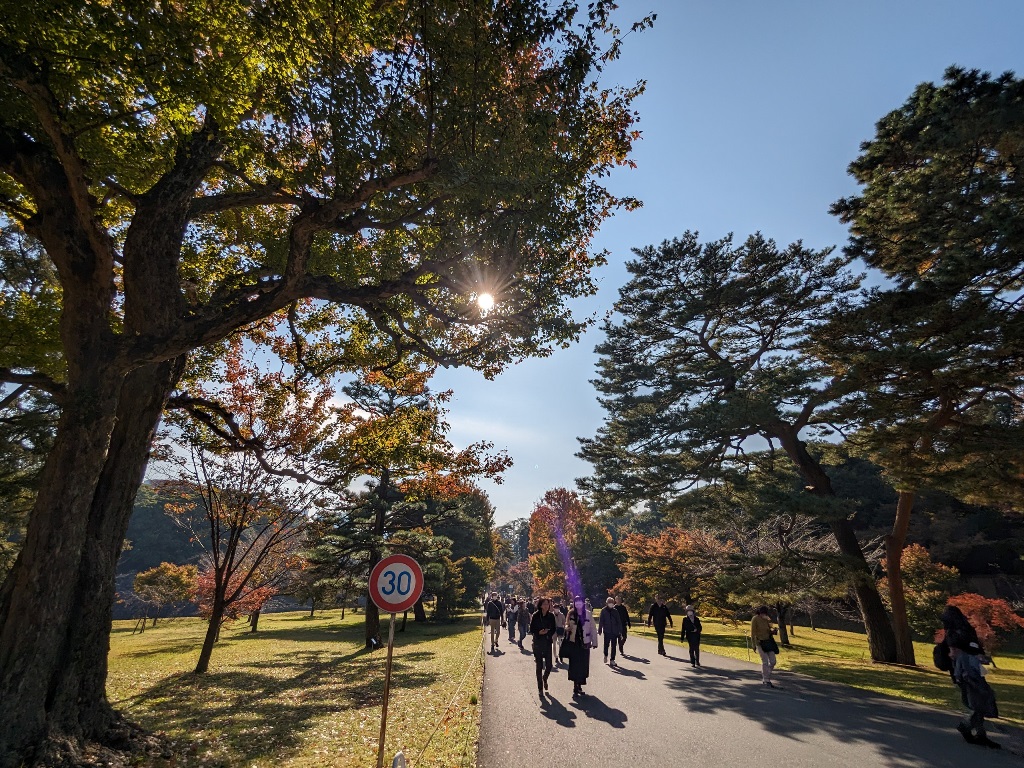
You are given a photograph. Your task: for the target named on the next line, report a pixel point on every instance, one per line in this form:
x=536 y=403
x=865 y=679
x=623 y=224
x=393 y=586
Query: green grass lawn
x=301 y=691
x=843 y=657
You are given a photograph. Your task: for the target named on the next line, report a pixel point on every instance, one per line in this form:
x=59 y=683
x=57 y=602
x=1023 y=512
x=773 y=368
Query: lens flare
x=485 y=301
x=573 y=582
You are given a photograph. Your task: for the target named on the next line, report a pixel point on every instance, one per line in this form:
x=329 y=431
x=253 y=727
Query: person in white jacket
x=580 y=637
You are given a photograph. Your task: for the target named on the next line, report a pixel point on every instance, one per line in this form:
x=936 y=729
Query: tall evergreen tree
x=712 y=356
x=936 y=361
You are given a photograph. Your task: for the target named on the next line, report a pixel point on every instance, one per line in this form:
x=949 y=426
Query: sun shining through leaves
x=485 y=301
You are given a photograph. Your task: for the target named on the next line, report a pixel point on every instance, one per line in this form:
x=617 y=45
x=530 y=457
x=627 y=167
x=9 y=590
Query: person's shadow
x=598 y=710
x=553 y=709
x=629 y=673
x=634 y=658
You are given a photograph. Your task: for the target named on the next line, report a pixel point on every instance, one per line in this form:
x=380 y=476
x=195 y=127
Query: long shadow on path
x=596 y=709
x=803 y=710
x=553 y=709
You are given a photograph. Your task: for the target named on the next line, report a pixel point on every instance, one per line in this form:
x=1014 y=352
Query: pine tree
x=934 y=360
x=711 y=357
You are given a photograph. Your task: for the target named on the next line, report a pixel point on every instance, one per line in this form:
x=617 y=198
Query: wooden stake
x=387 y=690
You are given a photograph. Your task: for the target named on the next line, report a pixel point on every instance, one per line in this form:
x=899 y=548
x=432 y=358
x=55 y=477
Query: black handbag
x=769 y=645
x=563 y=649
x=940 y=657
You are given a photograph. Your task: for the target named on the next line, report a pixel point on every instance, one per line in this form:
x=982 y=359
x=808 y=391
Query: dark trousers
x=542 y=658
x=612 y=640
x=622 y=642
x=660 y=631
x=694 y=643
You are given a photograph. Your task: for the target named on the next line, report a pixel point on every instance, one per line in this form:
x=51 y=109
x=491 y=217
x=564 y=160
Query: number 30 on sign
x=396 y=583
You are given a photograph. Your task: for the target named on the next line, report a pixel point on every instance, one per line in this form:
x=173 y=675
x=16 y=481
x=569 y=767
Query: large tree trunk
x=212 y=635
x=55 y=606
x=418 y=611
x=371 y=624
x=894 y=544
x=881 y=640
x=782 y=609
x=254 y=620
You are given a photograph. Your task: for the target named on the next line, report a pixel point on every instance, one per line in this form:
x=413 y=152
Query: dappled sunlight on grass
x=301 y=691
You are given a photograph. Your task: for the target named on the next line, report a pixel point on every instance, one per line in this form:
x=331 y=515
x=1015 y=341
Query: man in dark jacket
x=542 y=627
x=624 y=620
x=659 y=616
x=611 y=627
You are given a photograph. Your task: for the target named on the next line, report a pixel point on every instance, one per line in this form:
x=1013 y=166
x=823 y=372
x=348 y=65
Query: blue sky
x=752 y=112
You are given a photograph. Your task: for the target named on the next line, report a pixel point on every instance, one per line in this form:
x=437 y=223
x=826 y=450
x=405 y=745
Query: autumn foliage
x=927 y=586
x=251 y=596
x=570 y=553
x=993 y=620
x=674 y=564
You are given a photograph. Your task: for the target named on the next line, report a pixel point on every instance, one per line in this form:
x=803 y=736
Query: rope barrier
x=444 y=715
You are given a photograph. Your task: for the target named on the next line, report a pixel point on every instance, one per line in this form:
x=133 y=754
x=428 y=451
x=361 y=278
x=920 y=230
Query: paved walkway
x=658 y=711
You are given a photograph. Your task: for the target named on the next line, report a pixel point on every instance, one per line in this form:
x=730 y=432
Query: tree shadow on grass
x=724 y=641
x=252 y=714
x=182 y=647
x=902 y=734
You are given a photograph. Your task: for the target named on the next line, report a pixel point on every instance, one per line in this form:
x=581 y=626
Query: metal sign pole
x=387 y=689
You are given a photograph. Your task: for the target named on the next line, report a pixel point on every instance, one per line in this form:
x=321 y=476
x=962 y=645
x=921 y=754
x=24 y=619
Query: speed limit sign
x=396 y=583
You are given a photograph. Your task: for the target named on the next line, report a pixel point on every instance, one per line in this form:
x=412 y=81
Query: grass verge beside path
x=301 y=691
x=842 y=657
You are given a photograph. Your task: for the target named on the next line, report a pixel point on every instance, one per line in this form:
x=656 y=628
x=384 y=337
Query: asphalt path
x=659 y=711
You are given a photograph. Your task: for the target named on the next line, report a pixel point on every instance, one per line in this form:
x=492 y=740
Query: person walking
x=522 y=621
x=623 y=612
x=691 y=634
x=494 y=612
x=762 y=635
x=559 y=613
x=659 y=615
x=967 y=654
x=579 y=639
x=610 y=625
x=510 y=618
x=542 y=628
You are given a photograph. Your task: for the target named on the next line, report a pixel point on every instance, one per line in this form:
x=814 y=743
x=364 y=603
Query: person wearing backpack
x=965 y=656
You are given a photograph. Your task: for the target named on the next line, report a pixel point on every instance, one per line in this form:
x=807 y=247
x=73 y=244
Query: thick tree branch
x=35 y=379
x=222 y=422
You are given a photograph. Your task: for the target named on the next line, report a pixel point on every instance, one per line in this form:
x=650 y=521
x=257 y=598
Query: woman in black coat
x=691 y=634
x=580 y=637
x=542 y=628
